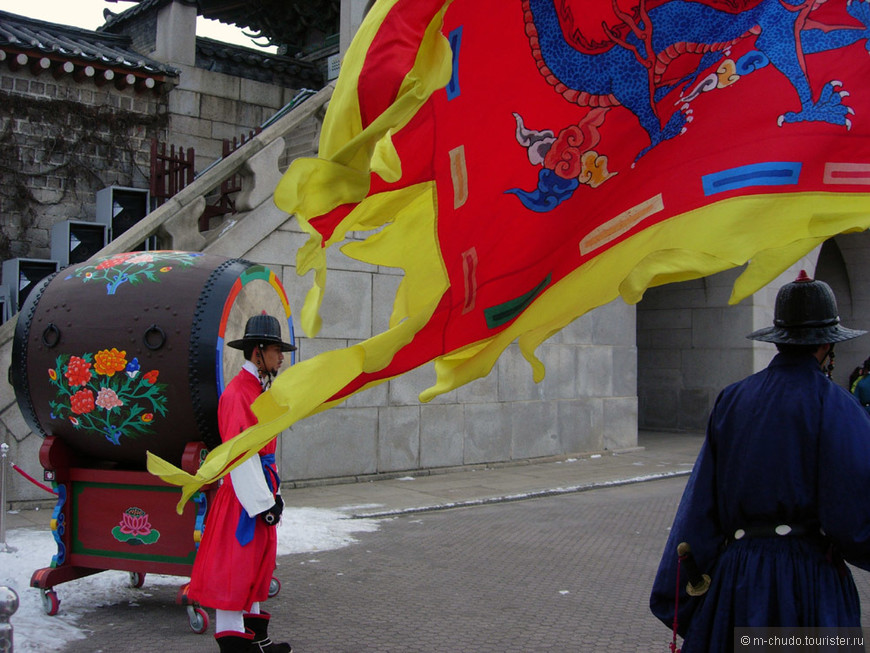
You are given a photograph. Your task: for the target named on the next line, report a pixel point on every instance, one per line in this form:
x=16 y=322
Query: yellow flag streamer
x=766 y=231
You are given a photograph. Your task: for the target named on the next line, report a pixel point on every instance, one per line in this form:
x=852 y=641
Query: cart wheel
x=50 y=602
x=274 y=587
x=198 y=619
x=137 y=580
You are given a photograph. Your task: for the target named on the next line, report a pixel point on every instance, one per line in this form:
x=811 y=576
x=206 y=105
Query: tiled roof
x=29 y=42
x=282 y=22
x=229 y=59
x=290 y=24
x=287 y=23
x=22 y=35
x=143 y=6
x=259 y=66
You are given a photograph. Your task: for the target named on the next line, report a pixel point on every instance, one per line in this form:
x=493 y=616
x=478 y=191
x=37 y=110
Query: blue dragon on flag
x=627 y=60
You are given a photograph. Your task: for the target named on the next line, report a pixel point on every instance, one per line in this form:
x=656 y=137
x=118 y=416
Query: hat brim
x=240 y=343
x=805 y=336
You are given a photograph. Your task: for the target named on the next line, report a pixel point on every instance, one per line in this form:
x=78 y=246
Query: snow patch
x=302 y=530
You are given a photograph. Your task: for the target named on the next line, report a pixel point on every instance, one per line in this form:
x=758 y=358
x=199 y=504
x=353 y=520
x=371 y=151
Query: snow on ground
x=302 y=530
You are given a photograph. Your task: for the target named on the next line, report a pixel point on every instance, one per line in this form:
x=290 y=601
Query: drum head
x=256 y=291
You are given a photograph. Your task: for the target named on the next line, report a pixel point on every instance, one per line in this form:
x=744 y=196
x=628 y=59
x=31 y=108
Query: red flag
x=568 y=129
x=524 y=162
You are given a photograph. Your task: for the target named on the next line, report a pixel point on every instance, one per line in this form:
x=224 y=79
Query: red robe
x=227 y=575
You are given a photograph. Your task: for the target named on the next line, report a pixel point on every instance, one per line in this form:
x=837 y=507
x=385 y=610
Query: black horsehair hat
x=805 y=313
x=263 y=329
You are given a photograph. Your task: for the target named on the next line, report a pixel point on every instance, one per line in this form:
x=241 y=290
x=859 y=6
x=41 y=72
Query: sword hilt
x=698 y=583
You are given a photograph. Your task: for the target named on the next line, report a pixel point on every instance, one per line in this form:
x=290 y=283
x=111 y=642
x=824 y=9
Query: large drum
x=125 y=354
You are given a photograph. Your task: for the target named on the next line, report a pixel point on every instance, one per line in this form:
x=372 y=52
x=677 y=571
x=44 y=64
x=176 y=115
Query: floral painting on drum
x=107 y=394
x=133 y=268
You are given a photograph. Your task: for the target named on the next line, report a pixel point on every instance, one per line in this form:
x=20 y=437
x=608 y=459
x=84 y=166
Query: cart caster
x=137 y=580
x=274 y=587
x=198 y=619
x=50 y=602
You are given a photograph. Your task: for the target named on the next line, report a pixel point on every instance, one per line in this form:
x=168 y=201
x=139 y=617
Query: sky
x=88 y=14
x=301 y=531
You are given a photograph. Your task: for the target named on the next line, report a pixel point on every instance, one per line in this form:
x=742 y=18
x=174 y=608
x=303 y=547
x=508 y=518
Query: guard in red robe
x=236 y=558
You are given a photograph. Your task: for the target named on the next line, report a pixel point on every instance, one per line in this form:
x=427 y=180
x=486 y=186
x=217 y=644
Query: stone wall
x=587 y=401
x=206 y=108
x=691 y=343
x=64 y=141
x=844 y=265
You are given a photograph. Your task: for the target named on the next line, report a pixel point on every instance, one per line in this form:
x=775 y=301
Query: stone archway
x=691 y=343
x=844 y=264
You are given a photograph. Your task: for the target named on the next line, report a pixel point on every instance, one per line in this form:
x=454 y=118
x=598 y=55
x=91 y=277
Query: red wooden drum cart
x=115 y=357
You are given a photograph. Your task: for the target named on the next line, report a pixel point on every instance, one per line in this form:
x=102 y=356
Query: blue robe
x=783 y=446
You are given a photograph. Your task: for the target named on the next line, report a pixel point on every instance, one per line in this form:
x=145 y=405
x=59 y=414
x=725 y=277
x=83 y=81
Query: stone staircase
x=260 y=163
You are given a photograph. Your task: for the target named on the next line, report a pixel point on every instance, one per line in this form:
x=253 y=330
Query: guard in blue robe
x=778 y=496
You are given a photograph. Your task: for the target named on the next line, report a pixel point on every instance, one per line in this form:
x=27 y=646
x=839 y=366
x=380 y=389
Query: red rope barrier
x=31 y=479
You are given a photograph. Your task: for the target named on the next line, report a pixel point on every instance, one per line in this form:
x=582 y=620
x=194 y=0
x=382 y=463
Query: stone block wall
x=64 y=141
x=587 y=402
x=844 y=265
x=691 y=343
x=207 y=107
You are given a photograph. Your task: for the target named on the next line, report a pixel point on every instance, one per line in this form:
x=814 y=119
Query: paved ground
x=555 y=557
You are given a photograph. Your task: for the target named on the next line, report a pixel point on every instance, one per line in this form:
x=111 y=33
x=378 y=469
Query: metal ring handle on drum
x=146 y=337
x=51 y=329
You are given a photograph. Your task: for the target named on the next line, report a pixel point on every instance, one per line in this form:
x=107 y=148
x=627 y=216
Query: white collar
x=249 y=365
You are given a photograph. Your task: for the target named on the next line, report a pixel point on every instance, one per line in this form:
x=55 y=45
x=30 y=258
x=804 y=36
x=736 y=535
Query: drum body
x=125 y=354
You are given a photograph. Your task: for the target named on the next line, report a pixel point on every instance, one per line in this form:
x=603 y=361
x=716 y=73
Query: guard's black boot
x=230 y=641
x=259 y=624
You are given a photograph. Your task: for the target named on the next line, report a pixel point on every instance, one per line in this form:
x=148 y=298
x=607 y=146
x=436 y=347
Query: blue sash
x=245 y=527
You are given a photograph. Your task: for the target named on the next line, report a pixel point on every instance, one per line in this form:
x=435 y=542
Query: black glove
x=273 y=515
